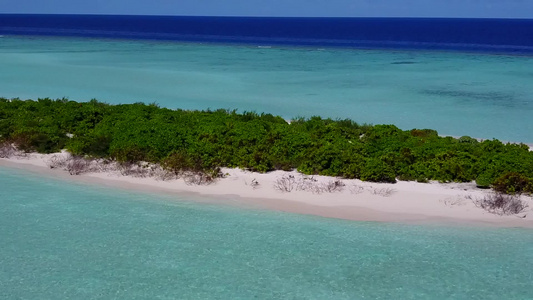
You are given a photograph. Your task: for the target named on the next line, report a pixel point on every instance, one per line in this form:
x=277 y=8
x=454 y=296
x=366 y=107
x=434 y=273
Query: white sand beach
x=404 y=202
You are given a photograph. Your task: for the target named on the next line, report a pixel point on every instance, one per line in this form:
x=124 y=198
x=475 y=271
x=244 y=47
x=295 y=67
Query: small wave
x=403 y=63
x=264 y=47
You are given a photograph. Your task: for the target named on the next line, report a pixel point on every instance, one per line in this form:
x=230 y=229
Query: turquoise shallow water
x=71 y=241
x=485 y=96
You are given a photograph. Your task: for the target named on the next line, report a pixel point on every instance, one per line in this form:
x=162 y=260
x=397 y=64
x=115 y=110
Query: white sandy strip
x=410 y=202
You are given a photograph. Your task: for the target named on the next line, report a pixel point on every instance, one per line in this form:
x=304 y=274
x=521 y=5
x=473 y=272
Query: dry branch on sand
x=384 y=192
x=357 y=189
x=78 y=165
x=285 y=184
x=501 y=204
x=75 y=165
x=8 y=150
x=200 y=178
x=288 y=183
x=133 y=169
x=333 y=186
x=254 y=184
x=58 y=161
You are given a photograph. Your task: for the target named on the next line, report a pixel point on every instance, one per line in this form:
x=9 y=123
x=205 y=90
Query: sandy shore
x=405 y=202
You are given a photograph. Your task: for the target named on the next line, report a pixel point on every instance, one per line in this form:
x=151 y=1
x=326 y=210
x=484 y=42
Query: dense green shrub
x=424 y=133
x=484 y=181
x=202 y=141
x=512 y=183
x=378 y=171
x=467 y=140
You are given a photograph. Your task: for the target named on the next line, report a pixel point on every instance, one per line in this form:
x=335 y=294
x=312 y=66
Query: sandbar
x=402 y=202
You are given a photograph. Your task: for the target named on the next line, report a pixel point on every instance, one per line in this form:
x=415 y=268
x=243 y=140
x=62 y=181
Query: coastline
x=403 y=202
x=530 y=145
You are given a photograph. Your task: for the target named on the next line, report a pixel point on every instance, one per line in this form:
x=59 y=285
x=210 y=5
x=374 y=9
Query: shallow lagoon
x=64 y=240
x=480 y=95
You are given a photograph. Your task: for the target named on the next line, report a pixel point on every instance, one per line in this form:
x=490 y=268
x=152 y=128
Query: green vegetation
x=205 y=140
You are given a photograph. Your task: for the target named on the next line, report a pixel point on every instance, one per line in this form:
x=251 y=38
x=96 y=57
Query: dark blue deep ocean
x=477 y=35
